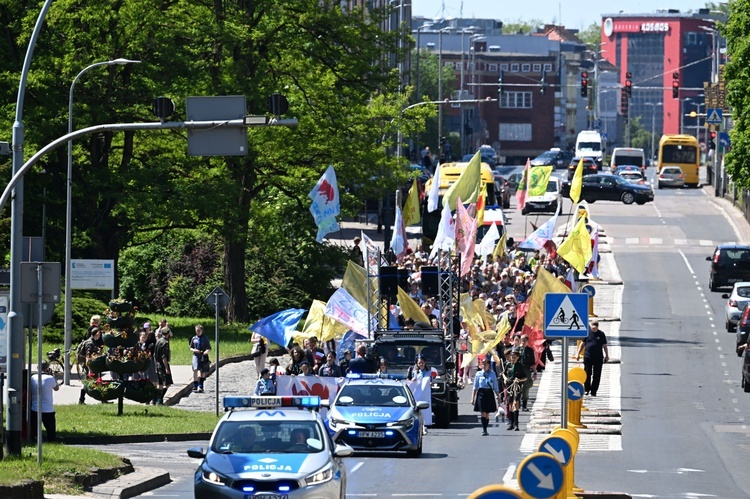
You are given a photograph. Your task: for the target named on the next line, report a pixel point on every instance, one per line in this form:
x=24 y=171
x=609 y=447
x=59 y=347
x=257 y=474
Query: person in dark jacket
x=361 y=364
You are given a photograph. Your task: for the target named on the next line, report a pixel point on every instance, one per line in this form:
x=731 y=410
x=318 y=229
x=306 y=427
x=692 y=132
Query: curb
x=134 y=484
x=131 y=439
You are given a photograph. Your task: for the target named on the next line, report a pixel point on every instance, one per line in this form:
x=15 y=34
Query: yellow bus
x=682 y=151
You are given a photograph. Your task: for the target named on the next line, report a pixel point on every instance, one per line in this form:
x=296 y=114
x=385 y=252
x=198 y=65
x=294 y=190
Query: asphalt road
x=684 y=433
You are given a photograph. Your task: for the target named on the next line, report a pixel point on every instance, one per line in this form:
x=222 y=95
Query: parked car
x=670 y=176
x=730 y=263
x=484 y=158
x=513 y=180
x=489 y=151
x=737 y=300
x=608 y=187
x=547 y=202
x=746 y=372
x=589 y=166
x=555 y=157
x=743 y=328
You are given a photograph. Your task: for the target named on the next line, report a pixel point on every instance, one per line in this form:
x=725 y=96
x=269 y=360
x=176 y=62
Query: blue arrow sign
x=713 y=115
x=566 y=315
x=540 y=476
x=589 y=290
x=724 y=140
x=575 y=390
x=558 y=447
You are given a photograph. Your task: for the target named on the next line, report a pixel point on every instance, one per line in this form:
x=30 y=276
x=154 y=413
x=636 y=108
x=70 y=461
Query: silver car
x=737 y=300
x=670 y=176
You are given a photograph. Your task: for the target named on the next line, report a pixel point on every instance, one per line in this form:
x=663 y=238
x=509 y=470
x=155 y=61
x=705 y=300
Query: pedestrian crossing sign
x=566 y=315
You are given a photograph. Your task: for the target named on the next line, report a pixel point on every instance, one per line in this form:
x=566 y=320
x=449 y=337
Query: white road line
x=686 y=262
x=356 y=467
x=680 y=242
x=655 y=240
x=706 y=242
x=631 y=240
x=510 y=473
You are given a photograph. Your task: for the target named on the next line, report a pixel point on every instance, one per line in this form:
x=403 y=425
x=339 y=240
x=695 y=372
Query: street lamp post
x=69 y=215
x=653 y=106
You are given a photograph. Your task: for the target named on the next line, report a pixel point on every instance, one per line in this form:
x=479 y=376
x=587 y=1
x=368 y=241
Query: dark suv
x=730 y=263
x=589 y=166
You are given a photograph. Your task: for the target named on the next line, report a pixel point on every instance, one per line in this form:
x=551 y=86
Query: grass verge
x=60 y=464
x=102 y=420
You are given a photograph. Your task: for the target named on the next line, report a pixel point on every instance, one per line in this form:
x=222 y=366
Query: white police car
x=377 y=413
x=273 y=451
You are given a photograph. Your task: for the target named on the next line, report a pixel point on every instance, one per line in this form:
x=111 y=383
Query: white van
x=589 y=144
x=628 y=156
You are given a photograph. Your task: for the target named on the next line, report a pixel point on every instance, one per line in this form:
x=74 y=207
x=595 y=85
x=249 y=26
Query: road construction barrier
x=570 y=435
x=575 y=404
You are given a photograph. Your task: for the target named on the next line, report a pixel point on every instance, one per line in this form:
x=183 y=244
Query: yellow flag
x=468 y=185
x=577 y=183
x=411 y=206
x=355 y=282
x=545 y=283
x=410 y=308
x=538 y=179
x=498 y=253
x=502 y=329
x=319 y=325
x=481 y=202
x=576 y=249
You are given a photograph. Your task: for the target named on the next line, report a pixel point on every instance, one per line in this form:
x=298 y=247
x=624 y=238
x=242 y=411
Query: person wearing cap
x=596 y=354
x=486 y=391
x=265 y=385
x=49 y=385
x=514 y=377
x=305 y=369
x=344 y=363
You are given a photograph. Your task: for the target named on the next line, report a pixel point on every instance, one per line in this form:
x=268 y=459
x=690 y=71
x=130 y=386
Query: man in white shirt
x=49 y=385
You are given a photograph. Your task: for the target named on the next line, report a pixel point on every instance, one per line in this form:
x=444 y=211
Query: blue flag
x=347 y=343
x=280 y=326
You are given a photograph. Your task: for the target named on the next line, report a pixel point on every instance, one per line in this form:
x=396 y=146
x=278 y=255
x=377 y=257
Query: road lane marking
x=686 y=262
x=357 y=466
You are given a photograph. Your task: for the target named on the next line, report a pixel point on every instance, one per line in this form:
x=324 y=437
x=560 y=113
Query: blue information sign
x=713 y=115
x=558 y=447
x=575 y=390
x=566 y=315
x=589 y=290
x=540 y=476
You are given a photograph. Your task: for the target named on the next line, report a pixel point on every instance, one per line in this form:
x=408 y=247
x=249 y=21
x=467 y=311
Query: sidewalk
x=70 y=394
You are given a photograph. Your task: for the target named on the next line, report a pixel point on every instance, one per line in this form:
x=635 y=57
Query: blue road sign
x=724 y=140
x=558 y=447
x=575 y=390
x=495 y=492
x=589 y=290
x=713 y=115
x=566 y=315
x=540 y=476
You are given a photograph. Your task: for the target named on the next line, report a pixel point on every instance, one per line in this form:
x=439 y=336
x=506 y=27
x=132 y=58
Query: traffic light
x=628 y=84
x=624 y=104
x=543 y=82
x=712 y=140
x=500 y=83
x=584 y=83
x=675 y=85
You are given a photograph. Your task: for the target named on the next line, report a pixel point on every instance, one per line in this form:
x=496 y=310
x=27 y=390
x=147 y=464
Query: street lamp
x=69 y=215
x=653 y=106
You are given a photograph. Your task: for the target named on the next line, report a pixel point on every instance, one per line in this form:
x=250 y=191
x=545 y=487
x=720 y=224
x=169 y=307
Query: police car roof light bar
x=309 y=402
x=375 y=376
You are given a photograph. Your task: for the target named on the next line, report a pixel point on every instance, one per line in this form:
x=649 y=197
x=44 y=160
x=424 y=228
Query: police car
x=272 y=450
x=377 y=413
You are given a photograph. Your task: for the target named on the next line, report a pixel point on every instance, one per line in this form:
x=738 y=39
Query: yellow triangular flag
x=468 y=185
x=481 y=202
x=411 y=206
x=576 y=249
x=498 y=254
x=409 y=308
x=577 y=183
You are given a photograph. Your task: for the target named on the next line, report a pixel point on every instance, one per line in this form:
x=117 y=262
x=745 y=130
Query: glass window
x=504 y=67
x=526 y=68
x=514 y=68
x=516 y=100
x=493 y=67
x=548 y=67
x=249 y=437
x=520 y=132
x=537 y=68
x=679 y=154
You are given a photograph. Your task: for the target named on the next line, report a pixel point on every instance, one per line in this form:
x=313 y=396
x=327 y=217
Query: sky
x=576 y=14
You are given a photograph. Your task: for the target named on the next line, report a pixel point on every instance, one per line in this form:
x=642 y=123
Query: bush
x=82 y=310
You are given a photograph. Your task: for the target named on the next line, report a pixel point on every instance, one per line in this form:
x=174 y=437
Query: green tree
x=522 y=27
x=130 y=189
x=591 y=36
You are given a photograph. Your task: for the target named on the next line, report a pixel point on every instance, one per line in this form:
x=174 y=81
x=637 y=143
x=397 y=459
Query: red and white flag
x=466 y=237
x=570 y=279
x=592 y=269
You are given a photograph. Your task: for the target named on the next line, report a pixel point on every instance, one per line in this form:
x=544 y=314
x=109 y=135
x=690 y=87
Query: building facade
x=657 y=49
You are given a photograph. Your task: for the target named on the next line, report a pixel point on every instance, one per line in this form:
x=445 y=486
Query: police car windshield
x=378 y=395
x=251 y=437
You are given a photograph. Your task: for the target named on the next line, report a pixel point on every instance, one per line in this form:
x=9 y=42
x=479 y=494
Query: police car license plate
x=371 y=434
x=268 y=496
